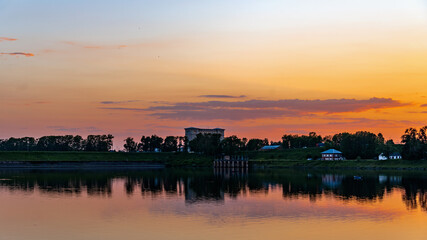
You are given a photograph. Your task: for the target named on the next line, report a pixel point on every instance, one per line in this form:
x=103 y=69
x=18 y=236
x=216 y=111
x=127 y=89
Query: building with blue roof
x=332 y=155
x=271 y=147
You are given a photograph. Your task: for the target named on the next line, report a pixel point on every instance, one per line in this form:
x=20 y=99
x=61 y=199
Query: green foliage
x=150 y=144
x=130 y=145
x=207 y=144
x=415 y=144
x=297 y=141
x=99 y=143
x=231 y=145
x=256 y=144
x=170 y=144
x=58 y=143
x=361 y=144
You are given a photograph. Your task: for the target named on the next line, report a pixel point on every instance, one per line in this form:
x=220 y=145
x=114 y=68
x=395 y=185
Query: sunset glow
x=256 y=68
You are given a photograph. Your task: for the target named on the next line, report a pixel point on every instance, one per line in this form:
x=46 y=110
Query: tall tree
x=130 y=145
x=170 y=144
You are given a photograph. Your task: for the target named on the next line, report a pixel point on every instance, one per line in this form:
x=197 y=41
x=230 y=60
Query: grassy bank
x=274 y=159
x=347 y=164
x=170 y=159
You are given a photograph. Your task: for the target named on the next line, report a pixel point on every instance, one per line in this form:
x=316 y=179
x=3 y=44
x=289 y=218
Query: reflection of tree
x=415 y=187
x=205 y=185
x=367 y=189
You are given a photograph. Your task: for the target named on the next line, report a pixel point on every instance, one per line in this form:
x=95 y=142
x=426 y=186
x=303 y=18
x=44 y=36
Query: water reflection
x=199 y=186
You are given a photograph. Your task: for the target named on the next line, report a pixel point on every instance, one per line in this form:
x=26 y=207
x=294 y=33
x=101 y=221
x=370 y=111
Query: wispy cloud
x=18 y=54
x=257 y=109
x=424 y=105
x=253 y=109
x=124 y=109
x=119 y=102
x=75 y=129
x=90 y=46
x=221 y=96
x=3 y=39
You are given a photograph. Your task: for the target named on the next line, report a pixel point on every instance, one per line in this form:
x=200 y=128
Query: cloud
x=3 y=39
x=124 y=109
x=258 y=109
x=81 y=45
x=19 y=54
x=221 y=96
x=75 y=129
x=424 y=105
x=118 y=102
x=254 y=109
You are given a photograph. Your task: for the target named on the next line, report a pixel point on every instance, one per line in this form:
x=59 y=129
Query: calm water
x=203 y=204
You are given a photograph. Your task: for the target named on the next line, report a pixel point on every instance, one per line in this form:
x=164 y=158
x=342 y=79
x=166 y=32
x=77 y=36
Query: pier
x=231 y=162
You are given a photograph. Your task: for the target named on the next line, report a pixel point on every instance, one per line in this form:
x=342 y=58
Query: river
x=208 y=204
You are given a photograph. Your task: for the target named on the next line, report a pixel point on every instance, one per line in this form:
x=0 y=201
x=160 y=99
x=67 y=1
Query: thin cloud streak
x=19 y=54
x=424 y=105
x=221 y=96
x=119 y=102
x=3 y=39
x=75 y=129
x=124 y=109
x=71 y=43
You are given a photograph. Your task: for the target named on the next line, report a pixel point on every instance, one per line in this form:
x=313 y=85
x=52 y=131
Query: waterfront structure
x=231 y=162
x=191 y=133
x=332 y=155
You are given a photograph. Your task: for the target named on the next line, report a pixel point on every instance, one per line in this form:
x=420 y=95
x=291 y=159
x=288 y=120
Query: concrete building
x=192 y=132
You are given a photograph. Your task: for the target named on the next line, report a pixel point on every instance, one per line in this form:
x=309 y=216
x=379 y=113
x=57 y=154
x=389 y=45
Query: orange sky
x=144 y=68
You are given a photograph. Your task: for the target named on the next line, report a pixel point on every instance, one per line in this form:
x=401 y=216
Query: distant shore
x=278 y=159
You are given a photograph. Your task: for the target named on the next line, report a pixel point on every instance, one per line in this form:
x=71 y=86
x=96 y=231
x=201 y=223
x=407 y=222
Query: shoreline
x=70 y=165
x=121 y=160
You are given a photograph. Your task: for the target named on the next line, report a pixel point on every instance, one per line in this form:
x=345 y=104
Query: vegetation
x=97 y=143
x=169 y=159
x=359 y=145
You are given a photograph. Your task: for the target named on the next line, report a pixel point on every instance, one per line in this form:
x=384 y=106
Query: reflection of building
x=332 y=155
x=192 y=132
x=332 y=180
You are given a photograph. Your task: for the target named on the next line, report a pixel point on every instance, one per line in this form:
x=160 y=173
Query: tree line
x=362 y=144
x=97 y=143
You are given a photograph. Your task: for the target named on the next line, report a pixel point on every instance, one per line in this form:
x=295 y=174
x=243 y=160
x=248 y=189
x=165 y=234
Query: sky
x=256 y=68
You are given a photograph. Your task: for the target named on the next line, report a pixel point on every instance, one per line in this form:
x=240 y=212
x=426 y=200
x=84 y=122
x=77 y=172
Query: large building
x=192 y=132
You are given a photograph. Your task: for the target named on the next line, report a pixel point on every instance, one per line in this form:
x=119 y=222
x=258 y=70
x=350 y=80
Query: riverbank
x=278 y=159
x=346 y=164
x=166 y=159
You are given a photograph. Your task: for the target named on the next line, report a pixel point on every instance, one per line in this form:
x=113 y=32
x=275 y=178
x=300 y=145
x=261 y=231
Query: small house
x=382 y=157
x=395 y=156
x=332 y=155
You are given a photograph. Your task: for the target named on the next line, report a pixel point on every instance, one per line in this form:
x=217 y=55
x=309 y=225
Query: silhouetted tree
x=299 y=141
x=130 y=145
x=415 y=144
x=170 y=144
x=231 y=145
x=208 y=144
x=256 y=144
